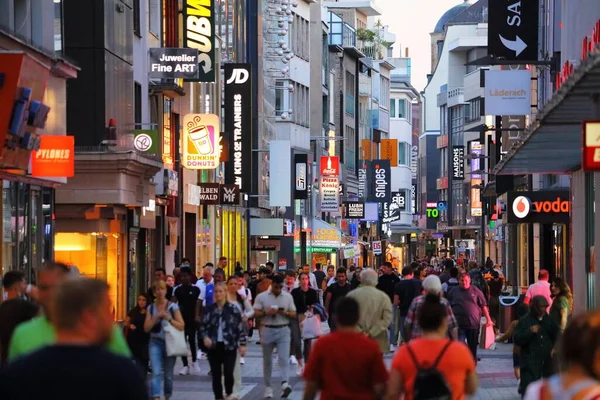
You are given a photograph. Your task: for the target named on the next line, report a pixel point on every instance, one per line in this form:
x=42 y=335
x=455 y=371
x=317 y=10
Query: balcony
x=350 y=104
x=472 y=83
x=374 y=118
x=456 y=96
x=340 y=33
x=364 y=85
x=442 y=99
x=384 y=120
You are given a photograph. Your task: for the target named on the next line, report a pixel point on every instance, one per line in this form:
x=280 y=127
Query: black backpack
x=430 y=384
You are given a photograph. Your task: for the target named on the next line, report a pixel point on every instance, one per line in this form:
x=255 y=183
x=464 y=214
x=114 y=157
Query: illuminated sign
x=145 y=140
x=389 y=151
x=301 y=187
x=538 y=207
x=380 y=190
x=169 y=63
x=199 y=34
x=476 y=179
x=433 y=209
x=201 y=141
x=330 y=194
x=326 y=237
x=588 y=45
x=55 y=157
x=317 y=250
x=458 y=163
x=330 y=166
x=591 y=146
x=354 y=210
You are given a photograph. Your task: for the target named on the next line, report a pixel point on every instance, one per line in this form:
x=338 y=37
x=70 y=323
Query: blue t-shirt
x=209 y=297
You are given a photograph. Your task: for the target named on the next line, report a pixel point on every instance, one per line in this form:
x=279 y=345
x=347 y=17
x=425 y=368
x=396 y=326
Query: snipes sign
x=542 y=207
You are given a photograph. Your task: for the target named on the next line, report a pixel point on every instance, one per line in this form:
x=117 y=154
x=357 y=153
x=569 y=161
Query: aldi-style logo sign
x=173 y=63
x=542 y=207
x=330 y=166
x=513 y=29
x=200 y=141
x=199 y=34
x=458 y=163
x=591 y=146
x=54 y=158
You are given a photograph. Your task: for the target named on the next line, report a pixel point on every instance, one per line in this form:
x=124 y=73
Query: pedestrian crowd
x=434 y=316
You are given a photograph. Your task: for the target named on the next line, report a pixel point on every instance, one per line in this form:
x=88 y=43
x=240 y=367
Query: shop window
x=96 y=255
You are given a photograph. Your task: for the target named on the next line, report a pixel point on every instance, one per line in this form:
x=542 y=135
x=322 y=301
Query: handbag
x=174 y=341
x=311 y=326
x=487 y=338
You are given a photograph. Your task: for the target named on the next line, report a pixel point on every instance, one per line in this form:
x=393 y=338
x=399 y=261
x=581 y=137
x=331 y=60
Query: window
x=350 y=155
x=282 y=96
x=402 y=108
x=384 y=91
x=58 y=27
x=154 y=17
x=403 y=153
x=393 y=108
x=137 y=96
x=350 y=90
x=299 y=34
x=136 y=18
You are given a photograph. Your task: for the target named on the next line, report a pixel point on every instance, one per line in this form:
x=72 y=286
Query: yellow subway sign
x=199 y=33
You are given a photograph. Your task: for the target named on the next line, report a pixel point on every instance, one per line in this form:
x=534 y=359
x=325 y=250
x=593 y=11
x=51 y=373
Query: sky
x=412 y=21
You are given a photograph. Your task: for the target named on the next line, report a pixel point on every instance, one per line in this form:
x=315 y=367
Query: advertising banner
x=199 y=34
x=145 y=140
x=391 y=213
x=238 y=122
x=399 y=198
x=301 y=181
x=55 y=157
x=354 y=210
x=209 y=193
x=538 y=207
x=229 y=194
x=169 y=63
x=200 y=141
x=458 y=163
x=508 y=92
x=513 y=30
x=330 y=166
x=389 y=151
x=476 y=179
x=280 y=176
x=362 y=179
x=591 y=146
x=329 y=194
x=380 y=182
x=413 y=197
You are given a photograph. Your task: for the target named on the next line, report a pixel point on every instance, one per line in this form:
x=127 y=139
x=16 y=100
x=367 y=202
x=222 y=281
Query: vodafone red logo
x=521 y=207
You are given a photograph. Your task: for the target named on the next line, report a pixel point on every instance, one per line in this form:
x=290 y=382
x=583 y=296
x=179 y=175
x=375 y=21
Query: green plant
x=365 y=35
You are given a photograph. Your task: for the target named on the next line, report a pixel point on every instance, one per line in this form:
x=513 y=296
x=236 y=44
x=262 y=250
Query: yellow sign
x=389 y=151
x=201 y=141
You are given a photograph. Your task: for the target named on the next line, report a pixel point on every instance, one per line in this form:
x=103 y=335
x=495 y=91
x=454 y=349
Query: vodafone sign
x=542 y=207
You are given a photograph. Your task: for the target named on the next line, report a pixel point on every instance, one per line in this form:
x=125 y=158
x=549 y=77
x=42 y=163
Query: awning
x=553 y=142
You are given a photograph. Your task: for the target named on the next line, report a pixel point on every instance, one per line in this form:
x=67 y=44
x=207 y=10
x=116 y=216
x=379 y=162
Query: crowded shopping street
x=299 y=199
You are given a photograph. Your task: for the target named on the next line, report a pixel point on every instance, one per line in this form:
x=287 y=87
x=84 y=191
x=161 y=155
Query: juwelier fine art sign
x=173 y=63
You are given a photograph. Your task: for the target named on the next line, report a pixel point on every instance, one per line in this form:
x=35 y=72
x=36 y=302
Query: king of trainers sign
x=170 y=63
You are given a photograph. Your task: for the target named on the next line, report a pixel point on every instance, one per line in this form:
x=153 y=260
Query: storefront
x=324 y=242
x=234 y=236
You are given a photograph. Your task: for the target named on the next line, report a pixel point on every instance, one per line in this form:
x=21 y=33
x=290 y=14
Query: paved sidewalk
x=496 y=380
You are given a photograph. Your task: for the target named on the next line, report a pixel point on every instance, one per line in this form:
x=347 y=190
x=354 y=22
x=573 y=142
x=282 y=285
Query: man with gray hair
x=431 y=285
x=375 y=309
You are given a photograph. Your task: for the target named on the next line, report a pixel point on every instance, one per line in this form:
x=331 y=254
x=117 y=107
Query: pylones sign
x=199 y=34
x=200 y=141
x=238 y=124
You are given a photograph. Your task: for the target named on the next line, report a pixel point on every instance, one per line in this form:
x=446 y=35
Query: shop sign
x=145 y=140
x=351 y=251
x=301 y=185
x=380 y=182
x=326 y=237
x=513 y=29
x=282 y=264
x=389 y=151
x=362 y=180
x=55 y=157
x=201 y=141
x=516 y=124
x=591 y=146
x=238 y=122
x=371 y=212
x=399 y=198
x=376 y=247
x=229 y=194
x=458 y=163
x=342 y=192
x=435 y=208
x=476 y=179
x=317 y=249
x=280 y=174
x=171 y=182
x=508 y=92
x=413 y=197
x=199 y=33
x=589 y=44
x=209 y=193
x=414 y=160
x=441 y=183
x=330 y=194
x=544 y=207
x=354 y=210
x=330 y=166
x=169 y=63
x=391 y=213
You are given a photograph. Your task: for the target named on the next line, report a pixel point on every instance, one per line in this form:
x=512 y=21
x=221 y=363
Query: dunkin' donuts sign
x=538 y=207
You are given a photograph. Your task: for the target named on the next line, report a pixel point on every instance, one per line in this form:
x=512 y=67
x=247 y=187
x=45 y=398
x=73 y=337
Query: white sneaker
x=286 y=389
x=268 y=393
x=299 y=370
x=242 y=361
x=203 y=356
x=196 y=368
x=293 y=360
x=184 y=371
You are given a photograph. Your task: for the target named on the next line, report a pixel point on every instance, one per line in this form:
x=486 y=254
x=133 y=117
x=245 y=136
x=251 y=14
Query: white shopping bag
x=311 y=326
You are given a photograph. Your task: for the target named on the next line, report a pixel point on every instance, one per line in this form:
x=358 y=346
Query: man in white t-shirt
x=540 y=288
x=207 y=279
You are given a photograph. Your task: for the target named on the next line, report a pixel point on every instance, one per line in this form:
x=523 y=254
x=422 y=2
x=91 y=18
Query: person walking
x=469 y=305
x=319 y=278
x=15 y=310
x=305 y=298
x=76 y=365
x=187 y=296
x=432 y=366
x=431 y=286
x=562 y=303
x=276 y=308
x=159 y=275
x=387 y=283
x=404 y=293
x=334 y=359
x=540 y=288
x=311 y=276
x=39 y=332
x=579 y=352
x=536 y=335
x=375 y=309
x=137 y=338
x=223 y=335
x=335 y=292
x=451 y=282
x=158 y=315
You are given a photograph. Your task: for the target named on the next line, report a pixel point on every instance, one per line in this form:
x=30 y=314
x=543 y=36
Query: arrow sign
x=517 y=45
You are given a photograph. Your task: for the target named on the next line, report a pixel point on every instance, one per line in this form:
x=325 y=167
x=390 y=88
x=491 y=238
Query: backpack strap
x=439 y=357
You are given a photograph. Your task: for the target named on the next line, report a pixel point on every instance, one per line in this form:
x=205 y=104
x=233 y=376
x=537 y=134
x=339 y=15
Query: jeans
x=393 y=333
x=402 y=329
x=472 y=338
x=161 y=365
x=271 y=338
x=191 y=332
x=221 y=361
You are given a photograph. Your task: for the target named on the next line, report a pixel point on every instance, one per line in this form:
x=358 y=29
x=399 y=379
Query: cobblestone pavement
x=496 y=380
